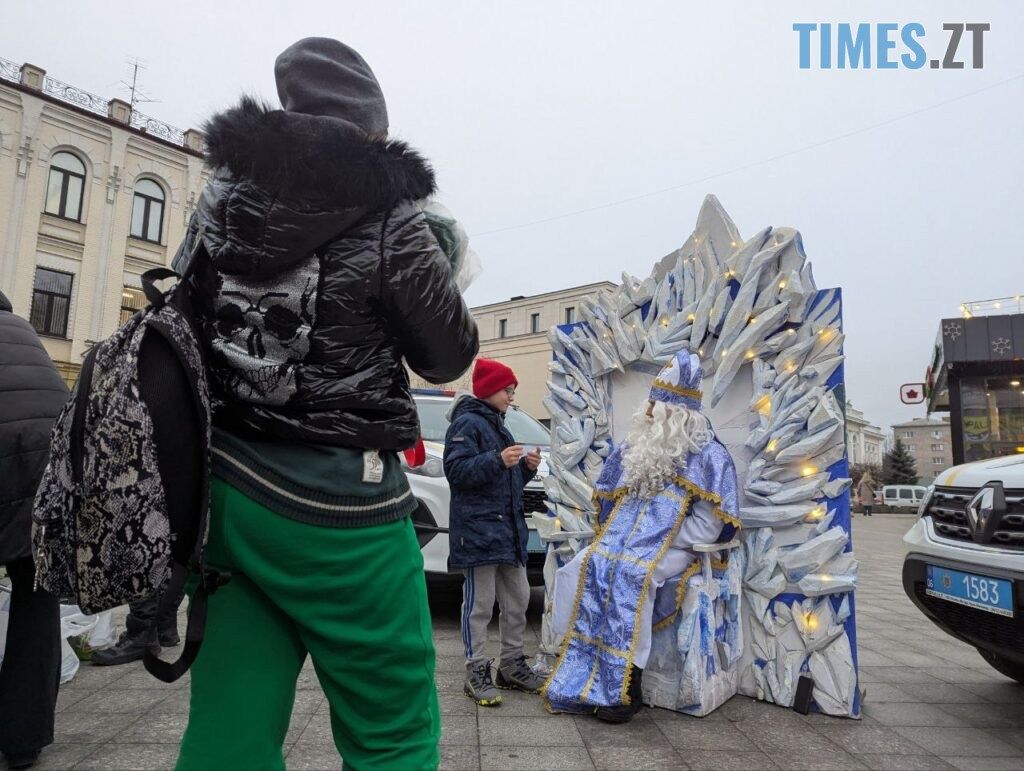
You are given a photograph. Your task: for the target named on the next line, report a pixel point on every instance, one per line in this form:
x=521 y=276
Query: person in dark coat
x=318 y=276
x=487 y=472
x=31 y=396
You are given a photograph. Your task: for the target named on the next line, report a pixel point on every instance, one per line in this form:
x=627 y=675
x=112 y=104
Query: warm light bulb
x=1015 y=382
x=808 y=471
x=750 y=354
x=772 y=445
x=691 y=317
x=700 y=351
x=782 y=285
x=811 y=621
x=664 y=321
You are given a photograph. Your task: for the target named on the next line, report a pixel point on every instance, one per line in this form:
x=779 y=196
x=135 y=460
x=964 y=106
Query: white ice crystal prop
x=744 y=306
x=693 y=666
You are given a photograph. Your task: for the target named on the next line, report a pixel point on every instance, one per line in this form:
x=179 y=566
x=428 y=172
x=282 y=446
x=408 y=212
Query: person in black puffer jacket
x=317 y=275
x=31 y=395
x=487 y=472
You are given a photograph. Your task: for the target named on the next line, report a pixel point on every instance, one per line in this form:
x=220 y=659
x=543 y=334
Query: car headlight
x=923 y=506
x=432 y=467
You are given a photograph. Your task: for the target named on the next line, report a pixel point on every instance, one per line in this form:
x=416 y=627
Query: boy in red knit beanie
x=487 y=472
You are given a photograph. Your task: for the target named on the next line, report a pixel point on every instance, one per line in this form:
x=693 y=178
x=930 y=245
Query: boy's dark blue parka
x=486 y=525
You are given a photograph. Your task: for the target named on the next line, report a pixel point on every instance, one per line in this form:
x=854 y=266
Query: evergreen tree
x=898 y=466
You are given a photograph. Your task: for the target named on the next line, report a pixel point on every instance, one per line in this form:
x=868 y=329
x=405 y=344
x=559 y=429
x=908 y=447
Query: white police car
x=428 y=483
x=965 y=565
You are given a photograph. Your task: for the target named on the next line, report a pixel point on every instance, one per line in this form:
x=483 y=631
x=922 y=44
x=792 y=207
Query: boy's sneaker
x=479 y=686
x=516 y=673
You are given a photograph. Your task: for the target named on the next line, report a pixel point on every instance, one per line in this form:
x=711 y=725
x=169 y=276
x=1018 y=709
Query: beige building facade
x=865 y=442
x=930 y=442
x=92 y=195
x=516 y=332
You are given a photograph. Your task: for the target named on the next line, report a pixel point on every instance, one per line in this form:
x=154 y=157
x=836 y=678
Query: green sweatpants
x=354 y=599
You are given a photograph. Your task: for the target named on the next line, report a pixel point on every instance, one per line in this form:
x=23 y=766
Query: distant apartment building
x=516 y=332
x=929 y=442
x=865 y=443
x=92 y=195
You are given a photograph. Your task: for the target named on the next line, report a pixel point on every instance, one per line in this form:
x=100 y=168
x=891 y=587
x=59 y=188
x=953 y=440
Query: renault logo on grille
x=985 y=511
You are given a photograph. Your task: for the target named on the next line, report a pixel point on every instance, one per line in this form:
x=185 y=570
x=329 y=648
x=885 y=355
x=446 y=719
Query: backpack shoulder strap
x=157 y=298
x=209 y=582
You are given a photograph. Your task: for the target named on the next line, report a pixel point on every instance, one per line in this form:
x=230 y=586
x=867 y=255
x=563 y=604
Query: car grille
x=534 y=500
x=948 y=511
x=974 y=624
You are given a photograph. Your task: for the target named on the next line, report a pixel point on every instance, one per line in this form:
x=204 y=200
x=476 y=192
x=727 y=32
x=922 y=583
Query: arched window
x=148 y=211
x=65 y=187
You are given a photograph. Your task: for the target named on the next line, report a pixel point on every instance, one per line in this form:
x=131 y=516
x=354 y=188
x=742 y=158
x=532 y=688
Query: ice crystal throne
x=771 y=347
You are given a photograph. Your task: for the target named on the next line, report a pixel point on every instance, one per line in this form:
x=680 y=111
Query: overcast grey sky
x=532 y=110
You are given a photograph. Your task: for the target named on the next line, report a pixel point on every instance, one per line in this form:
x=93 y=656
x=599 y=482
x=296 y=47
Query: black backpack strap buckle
x=213 y=579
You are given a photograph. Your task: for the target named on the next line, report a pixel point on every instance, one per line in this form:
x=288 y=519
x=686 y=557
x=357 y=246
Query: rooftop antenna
x=137 y=94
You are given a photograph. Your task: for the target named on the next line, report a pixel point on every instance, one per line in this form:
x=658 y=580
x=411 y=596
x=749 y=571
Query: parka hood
x=466 y=402
x=283 y=183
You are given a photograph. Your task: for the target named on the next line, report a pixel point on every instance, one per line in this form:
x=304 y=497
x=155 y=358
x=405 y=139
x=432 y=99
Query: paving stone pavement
x=931 y=703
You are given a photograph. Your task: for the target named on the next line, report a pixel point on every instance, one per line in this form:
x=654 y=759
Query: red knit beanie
x=490 y=376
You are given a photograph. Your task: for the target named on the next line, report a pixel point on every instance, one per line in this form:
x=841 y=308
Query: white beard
x=656 y=448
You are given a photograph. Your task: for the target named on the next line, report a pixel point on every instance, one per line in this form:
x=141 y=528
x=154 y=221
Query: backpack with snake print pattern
x=121 y=513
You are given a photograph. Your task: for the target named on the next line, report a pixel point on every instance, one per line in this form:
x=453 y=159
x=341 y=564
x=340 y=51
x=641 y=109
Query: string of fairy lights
x=999 y=305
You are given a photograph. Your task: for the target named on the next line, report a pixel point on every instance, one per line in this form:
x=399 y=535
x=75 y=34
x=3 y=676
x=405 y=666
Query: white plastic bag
x=454 y=241
x=69 y=662
x=96 y=631
x=103 y=634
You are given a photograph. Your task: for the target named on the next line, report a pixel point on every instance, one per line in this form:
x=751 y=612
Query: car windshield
x=434 y=423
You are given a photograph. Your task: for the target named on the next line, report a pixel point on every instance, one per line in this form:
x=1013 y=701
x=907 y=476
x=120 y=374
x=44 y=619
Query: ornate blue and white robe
x=604 y=600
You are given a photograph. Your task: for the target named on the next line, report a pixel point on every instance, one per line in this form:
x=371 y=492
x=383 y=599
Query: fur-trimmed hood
x=315 y=157
x=283 y=183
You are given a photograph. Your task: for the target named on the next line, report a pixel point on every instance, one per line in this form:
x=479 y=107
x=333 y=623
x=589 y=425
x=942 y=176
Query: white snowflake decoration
x=1001 y=346
x=953 y=330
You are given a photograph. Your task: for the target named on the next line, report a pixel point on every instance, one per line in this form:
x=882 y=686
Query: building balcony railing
x=74 y=95
x=9 y=70
x=34 y=77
